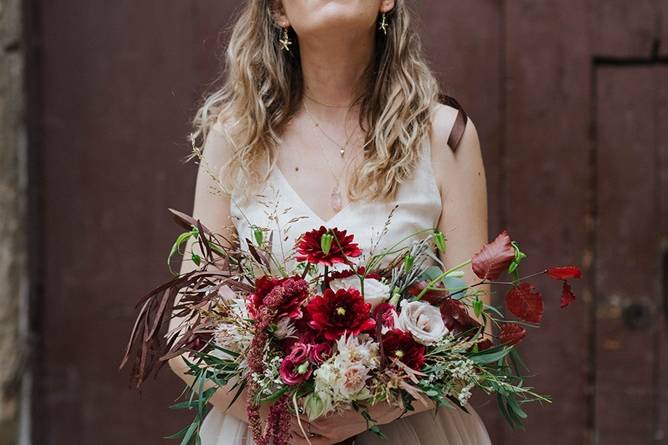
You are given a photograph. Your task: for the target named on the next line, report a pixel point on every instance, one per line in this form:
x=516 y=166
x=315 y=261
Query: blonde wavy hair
x=262 y=88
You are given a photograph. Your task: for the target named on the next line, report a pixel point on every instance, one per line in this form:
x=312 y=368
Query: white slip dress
x=417 y=206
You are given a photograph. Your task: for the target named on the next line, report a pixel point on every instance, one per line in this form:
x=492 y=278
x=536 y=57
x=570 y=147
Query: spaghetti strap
x=460 y=121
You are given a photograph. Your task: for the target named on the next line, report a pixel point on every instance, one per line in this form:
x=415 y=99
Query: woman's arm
x=212 y=207
x=462 y=182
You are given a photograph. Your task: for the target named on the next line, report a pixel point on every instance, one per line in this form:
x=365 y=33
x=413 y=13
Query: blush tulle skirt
x=448 y=427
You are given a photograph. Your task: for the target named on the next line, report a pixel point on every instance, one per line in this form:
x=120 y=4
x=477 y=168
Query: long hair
x=263 y=86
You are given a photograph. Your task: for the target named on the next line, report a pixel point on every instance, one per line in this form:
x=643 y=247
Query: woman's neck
x=334 y=69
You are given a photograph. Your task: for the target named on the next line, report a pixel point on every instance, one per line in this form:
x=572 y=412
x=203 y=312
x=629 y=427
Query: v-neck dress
x=416 y=207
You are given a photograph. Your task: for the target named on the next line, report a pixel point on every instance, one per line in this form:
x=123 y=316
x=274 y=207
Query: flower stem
x=440 y=277
x=518 y=279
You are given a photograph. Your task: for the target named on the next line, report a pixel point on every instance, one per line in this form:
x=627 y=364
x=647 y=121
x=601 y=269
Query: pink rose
x=295 y=368
x=319 y=352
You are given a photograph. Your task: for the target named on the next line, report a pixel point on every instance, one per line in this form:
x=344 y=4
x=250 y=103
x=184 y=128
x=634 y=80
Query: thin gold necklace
x=342 y=148
x=335 y=198
x=324 y=104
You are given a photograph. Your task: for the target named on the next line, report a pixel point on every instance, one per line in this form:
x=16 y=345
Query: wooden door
x=630 y=270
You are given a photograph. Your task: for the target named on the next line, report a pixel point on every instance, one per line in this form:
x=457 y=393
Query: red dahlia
x=294 y=290
x=400 y=345
x=334 y=314
x=310 y=246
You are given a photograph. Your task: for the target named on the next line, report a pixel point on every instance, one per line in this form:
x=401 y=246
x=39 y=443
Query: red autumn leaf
x=525 y=302
x=494 y=257
x=512 y=333
x=564 y=272
x=434 y=296
x=567 y=296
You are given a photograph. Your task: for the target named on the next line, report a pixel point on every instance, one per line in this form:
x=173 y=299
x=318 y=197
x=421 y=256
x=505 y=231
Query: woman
x=329 y=108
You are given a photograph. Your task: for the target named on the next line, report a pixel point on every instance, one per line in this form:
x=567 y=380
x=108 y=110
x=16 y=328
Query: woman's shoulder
x=449 y=124
x=215 y=151
x=453 y=163
x=218 y=145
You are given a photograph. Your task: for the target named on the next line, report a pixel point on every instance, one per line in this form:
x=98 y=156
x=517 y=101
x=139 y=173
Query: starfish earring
x=383 y=24
x=285 y=40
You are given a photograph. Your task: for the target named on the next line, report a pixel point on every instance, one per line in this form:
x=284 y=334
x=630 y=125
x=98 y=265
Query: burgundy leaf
x=485 y=344
x=525 y=302
x=434 y=296
x=564 y=272
x=494 y=257
x=567 y=296
x=512 y=333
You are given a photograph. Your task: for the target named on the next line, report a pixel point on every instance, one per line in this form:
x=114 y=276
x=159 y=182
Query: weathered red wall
x=571 y=103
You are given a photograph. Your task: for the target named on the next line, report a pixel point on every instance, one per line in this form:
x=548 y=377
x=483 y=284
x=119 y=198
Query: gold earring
x=285 y=40
x=383 y=24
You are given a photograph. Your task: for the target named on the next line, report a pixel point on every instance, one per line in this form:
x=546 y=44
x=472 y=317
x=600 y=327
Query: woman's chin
x=336 y=17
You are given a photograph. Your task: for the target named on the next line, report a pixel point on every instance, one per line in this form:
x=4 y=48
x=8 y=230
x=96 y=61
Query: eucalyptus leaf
x=189 y=433
x=489 y=355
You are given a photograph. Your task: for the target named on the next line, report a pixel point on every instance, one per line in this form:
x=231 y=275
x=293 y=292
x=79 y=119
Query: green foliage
x=207 y=368
x=478 y=306
x=371 y=424
x=180 y=242
x=519 y=256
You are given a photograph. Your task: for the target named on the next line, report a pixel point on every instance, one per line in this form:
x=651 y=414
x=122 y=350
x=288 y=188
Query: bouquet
x=340 y=330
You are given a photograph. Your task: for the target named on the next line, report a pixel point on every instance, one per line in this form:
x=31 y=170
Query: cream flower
x=375 y=291
x=317 y=404
x=360 y=349
x=284 y=328
x=422 y=320
x=353 y=379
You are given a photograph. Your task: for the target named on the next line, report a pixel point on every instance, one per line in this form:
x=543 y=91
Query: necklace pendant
x=342 y=152
x=335 y=199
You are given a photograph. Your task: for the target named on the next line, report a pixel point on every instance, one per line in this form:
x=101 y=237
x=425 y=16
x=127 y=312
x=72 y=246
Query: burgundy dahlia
x=400 y=345
x=294 y=292
x=339 y=246
x=334 y=314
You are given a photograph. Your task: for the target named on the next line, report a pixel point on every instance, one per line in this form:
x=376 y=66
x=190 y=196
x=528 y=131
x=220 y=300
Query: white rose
x=375 y=292
x=422 y=320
